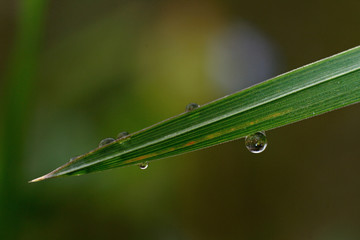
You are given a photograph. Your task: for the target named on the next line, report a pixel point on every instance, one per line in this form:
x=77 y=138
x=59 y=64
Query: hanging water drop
x=191 y=107
x=143 y=165
x=106 y=141
x=122 y=134
x=256 y=143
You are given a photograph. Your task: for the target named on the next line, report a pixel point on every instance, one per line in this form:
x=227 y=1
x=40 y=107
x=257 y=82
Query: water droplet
x=191 y=107
x=106 y=141
x=143 y=165
x=122 y=134
x=256 y=143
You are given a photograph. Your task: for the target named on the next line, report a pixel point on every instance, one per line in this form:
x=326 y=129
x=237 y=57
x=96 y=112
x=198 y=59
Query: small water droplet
x=191 y=106
x=143 y=165
x=106 y=141
x=122 y=134
x=71 y=159
x=256 y=143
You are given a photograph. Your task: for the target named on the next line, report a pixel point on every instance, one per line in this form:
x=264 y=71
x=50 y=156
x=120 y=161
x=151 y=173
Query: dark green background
x=74 y=72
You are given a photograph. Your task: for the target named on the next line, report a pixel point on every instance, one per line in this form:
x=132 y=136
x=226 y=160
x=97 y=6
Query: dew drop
x=143 y=165
x=106 y=141
x=191 y=106
x=122 y=134
x=256 y=143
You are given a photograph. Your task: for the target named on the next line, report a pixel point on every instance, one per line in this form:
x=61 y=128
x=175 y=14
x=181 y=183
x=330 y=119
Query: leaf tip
x=46 y=176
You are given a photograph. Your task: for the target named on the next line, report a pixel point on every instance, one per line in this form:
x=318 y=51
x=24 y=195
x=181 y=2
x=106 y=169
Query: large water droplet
x=106 y=141
x=191 y=107
x=256 y=143
x=122 y=134
x=144 y=165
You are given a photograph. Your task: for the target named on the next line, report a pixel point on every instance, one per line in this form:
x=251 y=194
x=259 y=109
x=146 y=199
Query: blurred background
x=75 y=72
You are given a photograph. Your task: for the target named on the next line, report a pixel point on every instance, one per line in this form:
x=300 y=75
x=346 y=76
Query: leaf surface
x=314 y=89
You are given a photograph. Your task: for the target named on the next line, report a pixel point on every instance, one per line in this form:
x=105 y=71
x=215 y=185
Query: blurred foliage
x=108 y=66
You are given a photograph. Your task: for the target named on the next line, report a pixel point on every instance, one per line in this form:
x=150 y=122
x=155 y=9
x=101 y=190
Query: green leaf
x=305 y=92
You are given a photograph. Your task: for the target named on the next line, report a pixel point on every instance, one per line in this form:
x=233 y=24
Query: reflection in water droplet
x=122 y=134
x=191 y=107
x=106 y=141
x=144 y=165
x=256 y=143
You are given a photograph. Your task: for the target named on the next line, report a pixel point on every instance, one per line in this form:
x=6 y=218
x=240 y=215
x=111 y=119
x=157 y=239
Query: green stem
x=20 y=78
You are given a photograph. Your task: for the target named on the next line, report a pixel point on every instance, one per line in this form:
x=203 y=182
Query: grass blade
x=326 y=85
